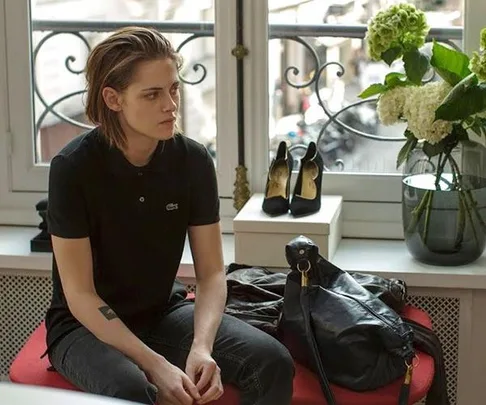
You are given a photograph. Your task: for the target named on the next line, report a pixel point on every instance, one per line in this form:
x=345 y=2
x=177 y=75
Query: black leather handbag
x=340 y=330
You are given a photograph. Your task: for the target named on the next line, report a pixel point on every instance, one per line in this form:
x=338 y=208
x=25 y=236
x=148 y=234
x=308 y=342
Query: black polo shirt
x=136 y=219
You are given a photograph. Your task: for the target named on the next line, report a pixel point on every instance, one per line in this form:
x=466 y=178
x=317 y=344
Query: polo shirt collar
x=118 y=163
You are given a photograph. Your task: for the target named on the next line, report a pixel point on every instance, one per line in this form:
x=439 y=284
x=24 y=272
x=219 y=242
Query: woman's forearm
x=104 y=323
x=209 y=308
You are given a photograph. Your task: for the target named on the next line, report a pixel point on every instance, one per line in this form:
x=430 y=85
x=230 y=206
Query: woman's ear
x=112 y=99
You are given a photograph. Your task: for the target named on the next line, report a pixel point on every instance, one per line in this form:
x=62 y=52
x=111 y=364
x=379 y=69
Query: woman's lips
x=167 y=122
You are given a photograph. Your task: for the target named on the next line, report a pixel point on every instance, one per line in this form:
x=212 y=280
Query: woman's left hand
x=205 y=373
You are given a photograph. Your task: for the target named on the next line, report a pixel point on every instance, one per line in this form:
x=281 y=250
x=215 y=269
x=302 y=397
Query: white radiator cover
x=24 y=299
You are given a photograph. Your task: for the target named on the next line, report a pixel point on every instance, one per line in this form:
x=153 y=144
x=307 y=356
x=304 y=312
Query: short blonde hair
x=112 y=63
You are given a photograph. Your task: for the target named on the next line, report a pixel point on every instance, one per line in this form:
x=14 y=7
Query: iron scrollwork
x=51 y=107
x=295 y=70
x=196 y=66
x=58 y=28
x=319 y=69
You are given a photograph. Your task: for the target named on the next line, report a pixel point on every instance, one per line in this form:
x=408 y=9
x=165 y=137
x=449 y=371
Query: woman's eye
x=151 y=96
x=174 y=89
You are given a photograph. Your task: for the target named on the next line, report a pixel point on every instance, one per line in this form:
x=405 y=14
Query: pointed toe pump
x=277 y=190
x=306 y=198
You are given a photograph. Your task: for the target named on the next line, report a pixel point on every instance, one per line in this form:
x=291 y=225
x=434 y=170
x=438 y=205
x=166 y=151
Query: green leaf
x=468 y=97
x=416 y=65
x=432 y=150
x=391 y=55
x=392 y=80
x=451 y=65
x=373 y=90
x=407 y=148
x=395 y=79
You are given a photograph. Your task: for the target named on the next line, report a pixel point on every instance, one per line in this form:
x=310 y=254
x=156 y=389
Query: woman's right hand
x=173 y=385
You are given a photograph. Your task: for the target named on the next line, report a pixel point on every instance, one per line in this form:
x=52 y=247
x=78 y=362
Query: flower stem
x=456 y=171
x=461 y=224
x=417 y=212
x=471 y=203
x=440 y=168
x=469 y=216
x=474 y=206
x=427 y=217
x=463 y=208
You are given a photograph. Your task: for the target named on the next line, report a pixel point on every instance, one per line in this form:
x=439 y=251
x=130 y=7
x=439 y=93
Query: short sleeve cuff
x=204 y=221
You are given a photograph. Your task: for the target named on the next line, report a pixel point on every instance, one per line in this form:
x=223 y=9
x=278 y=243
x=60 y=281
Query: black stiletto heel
x=277 y=189
x=306 y=198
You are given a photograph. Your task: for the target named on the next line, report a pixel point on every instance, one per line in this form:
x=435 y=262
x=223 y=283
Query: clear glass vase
x=444 y=205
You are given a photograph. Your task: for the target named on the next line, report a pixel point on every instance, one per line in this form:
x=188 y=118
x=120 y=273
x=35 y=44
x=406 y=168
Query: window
x=301 y=86
x=47 y=111
x=298 y=33
x=273 y=109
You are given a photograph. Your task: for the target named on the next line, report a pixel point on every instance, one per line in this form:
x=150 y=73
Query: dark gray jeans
x=250 y=359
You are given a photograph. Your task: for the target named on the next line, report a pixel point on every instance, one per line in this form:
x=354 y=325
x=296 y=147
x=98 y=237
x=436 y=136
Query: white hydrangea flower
x=391 y=103
x=419 y=111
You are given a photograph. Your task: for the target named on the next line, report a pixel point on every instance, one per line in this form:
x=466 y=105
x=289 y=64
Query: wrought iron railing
x=292 y=32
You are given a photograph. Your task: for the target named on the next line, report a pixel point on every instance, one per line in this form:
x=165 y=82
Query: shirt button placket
x=141 y=196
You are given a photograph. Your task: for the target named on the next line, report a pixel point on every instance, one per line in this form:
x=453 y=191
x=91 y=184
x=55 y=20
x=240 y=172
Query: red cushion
x=27 y=368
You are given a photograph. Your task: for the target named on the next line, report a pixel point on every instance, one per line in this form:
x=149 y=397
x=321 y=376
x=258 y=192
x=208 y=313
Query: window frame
x=372 y=202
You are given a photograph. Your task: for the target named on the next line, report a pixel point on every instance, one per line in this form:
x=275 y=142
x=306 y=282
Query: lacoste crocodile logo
x=172 y=207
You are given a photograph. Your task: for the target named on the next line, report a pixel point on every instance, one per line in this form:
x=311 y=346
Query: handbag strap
x=427 y=341
x=314 y=351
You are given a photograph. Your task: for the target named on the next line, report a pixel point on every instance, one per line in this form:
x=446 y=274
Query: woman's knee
x=279 y=359
x=260 y=359
x=272 y=357
x=272 y=372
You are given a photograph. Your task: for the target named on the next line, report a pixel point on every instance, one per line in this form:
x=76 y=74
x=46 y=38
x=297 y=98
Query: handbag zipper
x=390 y=325
x=385 y=321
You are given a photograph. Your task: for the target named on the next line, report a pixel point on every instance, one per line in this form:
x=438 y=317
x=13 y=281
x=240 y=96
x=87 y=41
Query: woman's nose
x=169 y=104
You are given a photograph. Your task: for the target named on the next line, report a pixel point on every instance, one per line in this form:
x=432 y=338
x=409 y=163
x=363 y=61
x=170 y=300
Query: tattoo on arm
x=107 y=312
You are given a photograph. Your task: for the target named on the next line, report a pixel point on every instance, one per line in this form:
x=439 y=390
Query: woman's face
x=149 y=105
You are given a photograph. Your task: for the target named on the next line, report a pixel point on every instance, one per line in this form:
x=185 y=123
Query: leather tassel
x=405 y=389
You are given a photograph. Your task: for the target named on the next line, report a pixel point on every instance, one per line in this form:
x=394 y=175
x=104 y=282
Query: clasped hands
x=199 y=384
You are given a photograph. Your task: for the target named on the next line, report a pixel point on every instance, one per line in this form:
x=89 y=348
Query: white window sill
x=388 y=258
x=15 y=252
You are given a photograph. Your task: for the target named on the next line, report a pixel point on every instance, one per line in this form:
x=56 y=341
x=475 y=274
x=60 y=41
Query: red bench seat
x=28 y=368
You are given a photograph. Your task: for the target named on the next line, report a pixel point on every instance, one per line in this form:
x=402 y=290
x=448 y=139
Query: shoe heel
x=277 y=189
x=306 y=198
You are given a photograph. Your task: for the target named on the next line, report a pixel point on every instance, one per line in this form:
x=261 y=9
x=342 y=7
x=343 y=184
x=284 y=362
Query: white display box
x=260 y=239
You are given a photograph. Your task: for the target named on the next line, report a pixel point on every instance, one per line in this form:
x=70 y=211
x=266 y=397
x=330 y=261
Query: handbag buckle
x=303 y=266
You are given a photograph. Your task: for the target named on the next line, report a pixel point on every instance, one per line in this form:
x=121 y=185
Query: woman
x=121 y=199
